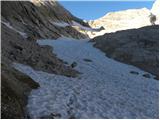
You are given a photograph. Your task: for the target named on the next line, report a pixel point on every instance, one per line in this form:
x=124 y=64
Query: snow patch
x=85 y=28
x=105 y=89
x=60 y=24
x=96 y=34
x=9 y=26
x=91 y=32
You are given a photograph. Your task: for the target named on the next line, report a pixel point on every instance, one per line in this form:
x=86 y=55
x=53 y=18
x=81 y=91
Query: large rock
x=15 y=87
x=139 y=47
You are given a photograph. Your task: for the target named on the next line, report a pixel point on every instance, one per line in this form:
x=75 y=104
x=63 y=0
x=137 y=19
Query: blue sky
x=90 y=10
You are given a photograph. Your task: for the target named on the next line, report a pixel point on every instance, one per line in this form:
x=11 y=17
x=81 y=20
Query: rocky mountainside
x=121 y=20
x=39 y=19
x=22 y=23
x=127 y=19
x=139 y=47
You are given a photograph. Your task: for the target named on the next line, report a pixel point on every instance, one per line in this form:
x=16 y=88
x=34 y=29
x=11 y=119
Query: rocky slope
x=139 y=47
x=126 y=19
x=121 y=20
x=23 y=22
x=37 y=19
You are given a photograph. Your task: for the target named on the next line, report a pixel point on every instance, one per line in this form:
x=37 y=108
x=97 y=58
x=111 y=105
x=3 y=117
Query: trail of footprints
x=104 y=89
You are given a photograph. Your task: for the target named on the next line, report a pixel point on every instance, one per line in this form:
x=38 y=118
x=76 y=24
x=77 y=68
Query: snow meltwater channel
x=104 y=89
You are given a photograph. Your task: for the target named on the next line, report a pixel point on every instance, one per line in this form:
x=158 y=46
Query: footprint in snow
x=146 y=75
x=87 y=60
x=134 y=72
x=74 y=64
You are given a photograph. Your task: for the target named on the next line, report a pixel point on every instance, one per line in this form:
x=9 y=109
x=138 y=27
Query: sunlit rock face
x=127 y=19
x=156 y=10
x=122 y=20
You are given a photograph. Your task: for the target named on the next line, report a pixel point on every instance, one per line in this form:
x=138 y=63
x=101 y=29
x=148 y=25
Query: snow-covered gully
x=104 y=89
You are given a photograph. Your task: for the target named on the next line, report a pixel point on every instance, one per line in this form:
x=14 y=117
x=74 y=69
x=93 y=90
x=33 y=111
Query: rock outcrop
x=156 y=10
x=139 y=47
x=122 y=20
x=126 y=19
x=23 y=22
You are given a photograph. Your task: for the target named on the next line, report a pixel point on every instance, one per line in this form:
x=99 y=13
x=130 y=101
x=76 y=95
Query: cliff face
x=23 y=22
